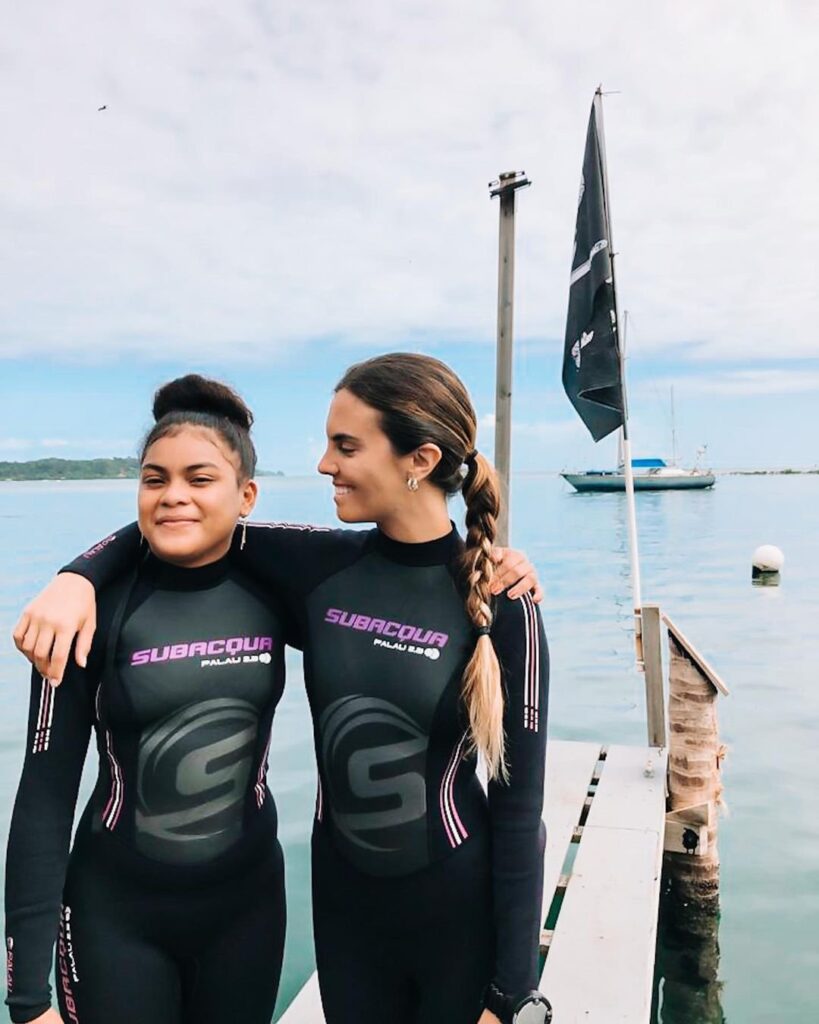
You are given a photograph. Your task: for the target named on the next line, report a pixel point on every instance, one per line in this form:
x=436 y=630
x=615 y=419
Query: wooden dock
x=603 y=895
x=605 y=815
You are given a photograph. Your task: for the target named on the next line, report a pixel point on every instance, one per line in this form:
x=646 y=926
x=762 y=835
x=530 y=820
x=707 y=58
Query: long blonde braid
x=482 y=688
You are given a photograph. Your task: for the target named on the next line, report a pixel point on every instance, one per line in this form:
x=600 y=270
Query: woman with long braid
x=427 y=894
x=426 y=890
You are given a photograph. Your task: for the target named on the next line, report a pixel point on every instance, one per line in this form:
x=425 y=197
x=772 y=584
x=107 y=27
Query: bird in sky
x=103 y=107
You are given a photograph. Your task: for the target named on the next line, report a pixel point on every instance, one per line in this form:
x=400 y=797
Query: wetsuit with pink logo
x=170 y=906
x=426 y=887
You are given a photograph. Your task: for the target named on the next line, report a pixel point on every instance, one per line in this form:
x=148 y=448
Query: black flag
x=591 y=359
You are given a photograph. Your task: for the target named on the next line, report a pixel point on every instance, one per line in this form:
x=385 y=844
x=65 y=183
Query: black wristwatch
x=531 y=1008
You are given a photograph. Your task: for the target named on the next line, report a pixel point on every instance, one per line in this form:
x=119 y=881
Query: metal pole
x=620 y=459
x=631 y=510
x=673 y=431
x=507 y=185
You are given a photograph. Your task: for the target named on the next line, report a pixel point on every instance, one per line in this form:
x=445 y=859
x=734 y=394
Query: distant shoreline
x=717 y=472
x=80 y=469
x=765 y=472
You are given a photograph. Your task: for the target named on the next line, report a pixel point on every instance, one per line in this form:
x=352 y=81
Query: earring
x=412 y=483
x=243 y=521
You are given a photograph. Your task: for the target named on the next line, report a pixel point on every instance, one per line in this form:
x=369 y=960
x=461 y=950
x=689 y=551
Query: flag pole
x=631 y=509
x=620 y=459
x=506 y=188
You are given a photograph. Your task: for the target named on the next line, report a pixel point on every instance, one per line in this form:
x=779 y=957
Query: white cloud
x=92 y=447
x=736 y=383
x=268 y=174
x=548 y=432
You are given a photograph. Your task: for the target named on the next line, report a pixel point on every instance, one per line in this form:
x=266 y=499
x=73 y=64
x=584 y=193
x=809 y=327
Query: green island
x=80 y=469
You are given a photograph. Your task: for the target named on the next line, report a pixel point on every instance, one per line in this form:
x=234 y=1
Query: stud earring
x=412 y=483
x=243 y=521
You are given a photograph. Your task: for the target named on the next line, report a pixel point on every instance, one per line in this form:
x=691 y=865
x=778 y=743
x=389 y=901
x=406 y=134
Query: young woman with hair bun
x=426 y=889
x=171 y=905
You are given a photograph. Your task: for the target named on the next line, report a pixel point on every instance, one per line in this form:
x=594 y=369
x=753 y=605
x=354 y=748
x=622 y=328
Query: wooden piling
x=688 y=955
x=694 y=777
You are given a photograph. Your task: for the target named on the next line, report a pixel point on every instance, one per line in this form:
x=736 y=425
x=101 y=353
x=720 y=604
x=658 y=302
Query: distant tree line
x=80 y=469
x=71 y=469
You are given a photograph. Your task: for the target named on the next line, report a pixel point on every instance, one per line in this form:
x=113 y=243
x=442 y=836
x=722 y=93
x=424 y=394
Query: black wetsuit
x=424 y=887
x=171 y=906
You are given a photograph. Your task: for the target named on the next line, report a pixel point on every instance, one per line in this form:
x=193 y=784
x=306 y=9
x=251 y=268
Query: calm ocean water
x=696 y=551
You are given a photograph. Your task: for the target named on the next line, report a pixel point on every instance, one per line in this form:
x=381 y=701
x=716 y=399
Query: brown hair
x=201 y=402
x=421 y=401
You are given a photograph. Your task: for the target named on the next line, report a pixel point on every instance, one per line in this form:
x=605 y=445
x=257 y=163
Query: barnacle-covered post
x=689 y=955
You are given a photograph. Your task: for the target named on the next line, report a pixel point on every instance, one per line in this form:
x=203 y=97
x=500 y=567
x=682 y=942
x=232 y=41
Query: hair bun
x=194 y=393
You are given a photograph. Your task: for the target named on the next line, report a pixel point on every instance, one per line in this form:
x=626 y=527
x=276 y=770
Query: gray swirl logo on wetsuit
x=373 y=755
x=192 y=776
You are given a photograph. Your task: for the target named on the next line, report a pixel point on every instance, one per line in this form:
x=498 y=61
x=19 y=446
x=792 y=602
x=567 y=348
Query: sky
x=276 y=190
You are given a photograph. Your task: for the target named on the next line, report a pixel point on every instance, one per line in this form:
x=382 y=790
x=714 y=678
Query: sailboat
x=648 y=474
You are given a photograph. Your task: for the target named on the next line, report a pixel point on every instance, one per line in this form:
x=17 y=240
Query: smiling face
x=369 y=477
x=190 y=496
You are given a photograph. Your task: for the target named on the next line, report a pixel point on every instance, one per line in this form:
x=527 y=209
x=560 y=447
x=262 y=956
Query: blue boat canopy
x=648 y=463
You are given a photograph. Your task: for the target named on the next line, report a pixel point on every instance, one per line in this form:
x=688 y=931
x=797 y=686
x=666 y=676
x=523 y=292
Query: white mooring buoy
x=767 y=564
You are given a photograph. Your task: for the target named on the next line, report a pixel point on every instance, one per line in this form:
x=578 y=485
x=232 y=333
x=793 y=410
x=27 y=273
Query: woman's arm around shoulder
x=66 y=608
x=287 y=557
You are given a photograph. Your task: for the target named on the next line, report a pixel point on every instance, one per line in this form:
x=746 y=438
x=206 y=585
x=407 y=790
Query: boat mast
x=631 y=511
x=505 y=187
x=673 y=431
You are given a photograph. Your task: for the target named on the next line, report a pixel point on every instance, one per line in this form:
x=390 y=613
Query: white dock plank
x=626 y=796
x=569 y=769
x=306 y=1007
x=600 y=964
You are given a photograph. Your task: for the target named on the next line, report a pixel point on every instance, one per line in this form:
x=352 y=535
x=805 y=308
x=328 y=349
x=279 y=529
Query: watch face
x=536 y=1012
